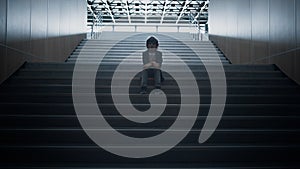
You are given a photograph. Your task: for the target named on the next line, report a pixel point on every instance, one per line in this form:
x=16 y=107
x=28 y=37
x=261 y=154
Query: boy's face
x=152 y=47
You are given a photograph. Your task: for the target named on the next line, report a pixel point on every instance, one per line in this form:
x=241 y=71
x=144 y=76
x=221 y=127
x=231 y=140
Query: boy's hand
x=146 y=66
x=156 y=65
x=152 y=64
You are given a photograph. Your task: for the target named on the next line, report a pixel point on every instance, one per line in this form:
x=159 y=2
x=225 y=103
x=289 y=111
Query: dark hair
x=152 y=40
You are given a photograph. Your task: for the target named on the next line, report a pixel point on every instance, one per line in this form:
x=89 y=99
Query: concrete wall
x=258 y=32
x=39 y=31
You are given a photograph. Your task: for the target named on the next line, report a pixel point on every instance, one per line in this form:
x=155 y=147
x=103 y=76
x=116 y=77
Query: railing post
x=92 y=31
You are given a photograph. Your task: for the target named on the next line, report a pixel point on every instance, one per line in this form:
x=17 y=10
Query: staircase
x=39 y=127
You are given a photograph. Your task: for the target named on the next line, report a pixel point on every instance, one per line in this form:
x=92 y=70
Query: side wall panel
x=39 y=31
x=267 y=32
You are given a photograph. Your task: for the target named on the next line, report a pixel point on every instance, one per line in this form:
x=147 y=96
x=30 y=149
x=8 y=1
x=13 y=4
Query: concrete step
x=54 y=66
x=168 y=80
x=203 y=165
x=138 y=57
x=76 y=155
x=143 y=41
x=236 y=126
x=175 y=64
x=139 y=52
x=141 y=47
x=203 y=76
x=170 y=48
x=109 y=109
x=136 y=82
x=126 y=52
x=139 y=61
x=139 y=99
x=198 y=74
x=142 y=44
x=11 y=89
x=75 y=136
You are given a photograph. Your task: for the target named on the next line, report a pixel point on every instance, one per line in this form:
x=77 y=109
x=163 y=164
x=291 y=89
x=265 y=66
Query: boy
x=152 y=60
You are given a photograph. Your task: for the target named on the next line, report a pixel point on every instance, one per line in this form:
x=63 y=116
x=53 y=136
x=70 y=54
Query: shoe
x=157 y=87
x=157 y=92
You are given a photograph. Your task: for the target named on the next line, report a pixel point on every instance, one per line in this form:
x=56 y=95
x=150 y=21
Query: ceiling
x=147 y=11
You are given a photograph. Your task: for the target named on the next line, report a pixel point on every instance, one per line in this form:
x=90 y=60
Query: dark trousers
x=156 y=73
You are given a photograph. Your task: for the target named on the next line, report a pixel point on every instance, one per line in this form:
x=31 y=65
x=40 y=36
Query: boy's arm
x=160 y=59
x=158 y=62
x=146 y=63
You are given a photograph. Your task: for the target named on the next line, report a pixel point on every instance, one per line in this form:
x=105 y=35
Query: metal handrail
x=97 y=27
x=24 y=54
x=275 y=55
x=197 y=33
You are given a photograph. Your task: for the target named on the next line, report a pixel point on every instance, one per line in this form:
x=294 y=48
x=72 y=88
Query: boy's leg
x=144 y=79
x=157 y=78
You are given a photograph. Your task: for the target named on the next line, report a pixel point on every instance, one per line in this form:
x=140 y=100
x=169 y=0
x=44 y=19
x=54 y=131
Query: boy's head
x=152 y=43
